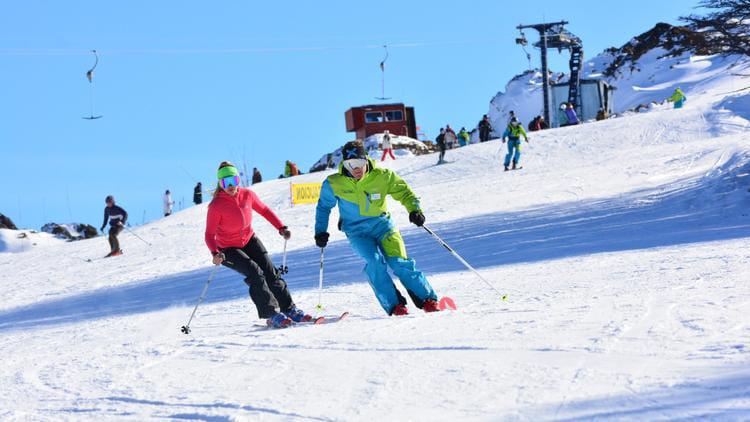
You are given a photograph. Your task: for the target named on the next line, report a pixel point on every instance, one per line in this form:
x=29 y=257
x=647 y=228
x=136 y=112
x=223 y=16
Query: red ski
x=328 y=320
x=446 y=303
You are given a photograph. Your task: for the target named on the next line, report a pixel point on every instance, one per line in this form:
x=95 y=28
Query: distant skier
x=233 y=243
x=360 y=189
x=484 y=129
x=198 y=194
x=562 y=116
x=291 y=169
x=570 y=113
x=511 y=115
x=451 y=139
x=387 y=146
x=463 y=137
x=513 y=133
x=538 y=124
x=440 y=141
x=168 y=203
x=117 y=218
x=257 y=177
x=678 y=98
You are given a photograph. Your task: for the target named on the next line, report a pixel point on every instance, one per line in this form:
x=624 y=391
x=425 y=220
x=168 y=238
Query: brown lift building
x=371 y=119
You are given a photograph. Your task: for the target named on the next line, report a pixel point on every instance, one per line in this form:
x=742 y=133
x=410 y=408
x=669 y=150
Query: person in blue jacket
x=117 y=218
x=513 y=134
x=359 y=189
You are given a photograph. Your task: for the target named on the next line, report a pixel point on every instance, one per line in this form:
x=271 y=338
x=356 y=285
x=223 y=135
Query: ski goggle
x=354 y=163
x=229 y=181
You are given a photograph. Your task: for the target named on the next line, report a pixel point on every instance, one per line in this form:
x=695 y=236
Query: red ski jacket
x=229 y=220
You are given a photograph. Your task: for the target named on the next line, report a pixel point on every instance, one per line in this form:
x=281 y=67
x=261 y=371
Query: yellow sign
x=305 y=193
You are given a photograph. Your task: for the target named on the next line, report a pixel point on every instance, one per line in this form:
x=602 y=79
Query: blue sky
x=184 y=85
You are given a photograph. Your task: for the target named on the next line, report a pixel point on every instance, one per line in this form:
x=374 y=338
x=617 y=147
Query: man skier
x=513 y=132
x=463 y=137
x=198 y=194
x=484 y=129
x=257 y=177
x=678 y=98
x=360 y=189
x=117 y=218
x=168 y=203
x=440 y=141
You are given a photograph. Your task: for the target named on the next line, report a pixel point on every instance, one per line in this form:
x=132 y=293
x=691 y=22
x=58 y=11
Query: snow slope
x=624 y=246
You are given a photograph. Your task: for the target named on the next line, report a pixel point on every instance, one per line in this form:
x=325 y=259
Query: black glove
x=321 y=239
x=285 y=233
x=417 y=218
x=102 y=229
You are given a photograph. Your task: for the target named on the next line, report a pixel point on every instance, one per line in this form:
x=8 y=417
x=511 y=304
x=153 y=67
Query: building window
x=373 y=117
x=394 y=116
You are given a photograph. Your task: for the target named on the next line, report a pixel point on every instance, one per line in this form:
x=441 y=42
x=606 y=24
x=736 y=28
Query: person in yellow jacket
x=513 y=133
x=360 y=189
x=678 y=98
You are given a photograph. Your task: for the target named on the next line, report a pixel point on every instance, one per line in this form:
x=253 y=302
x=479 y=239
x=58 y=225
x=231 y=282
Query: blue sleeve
x=326 y=202
x=106 y=216
x=506 y=134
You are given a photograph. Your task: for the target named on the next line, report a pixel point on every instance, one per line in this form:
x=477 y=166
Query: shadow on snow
x=704 y=209
x=720 y=398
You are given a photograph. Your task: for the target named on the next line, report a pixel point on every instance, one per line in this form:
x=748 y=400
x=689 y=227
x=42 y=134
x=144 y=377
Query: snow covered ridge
x=673 y=40
x=644 y=71
x=72 y=231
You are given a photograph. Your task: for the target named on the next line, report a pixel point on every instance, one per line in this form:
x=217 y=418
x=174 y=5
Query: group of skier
x=359 y=189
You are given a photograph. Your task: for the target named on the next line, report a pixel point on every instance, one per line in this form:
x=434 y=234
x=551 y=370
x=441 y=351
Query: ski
x=315 y=321
x=325 y=320
x=446 y=303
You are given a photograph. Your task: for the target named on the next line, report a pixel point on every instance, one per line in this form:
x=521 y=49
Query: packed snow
x=623 y=246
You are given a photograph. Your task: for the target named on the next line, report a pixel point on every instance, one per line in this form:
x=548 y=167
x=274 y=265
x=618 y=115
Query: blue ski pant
x=379 y=254
x=513 y=144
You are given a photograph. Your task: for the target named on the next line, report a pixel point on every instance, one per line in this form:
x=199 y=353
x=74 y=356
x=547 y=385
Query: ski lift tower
x=554 y=35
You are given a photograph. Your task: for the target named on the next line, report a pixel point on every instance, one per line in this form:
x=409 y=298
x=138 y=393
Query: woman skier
x=233 y=243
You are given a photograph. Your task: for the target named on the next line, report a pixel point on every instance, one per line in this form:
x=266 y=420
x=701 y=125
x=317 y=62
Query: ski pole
x=186 y=328
x=283 y=269
x=503 y=296
x=319 y=306
x=133 y=233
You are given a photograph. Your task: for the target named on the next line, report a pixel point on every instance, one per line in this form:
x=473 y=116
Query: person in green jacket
x=360 y=189
x=513 y=133
x=678 y=98
x=463 y=137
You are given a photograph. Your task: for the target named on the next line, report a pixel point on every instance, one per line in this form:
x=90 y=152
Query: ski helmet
x=353 y=149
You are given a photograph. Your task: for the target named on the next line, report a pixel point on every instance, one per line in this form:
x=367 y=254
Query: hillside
x=623 y=245
x=644 y=71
